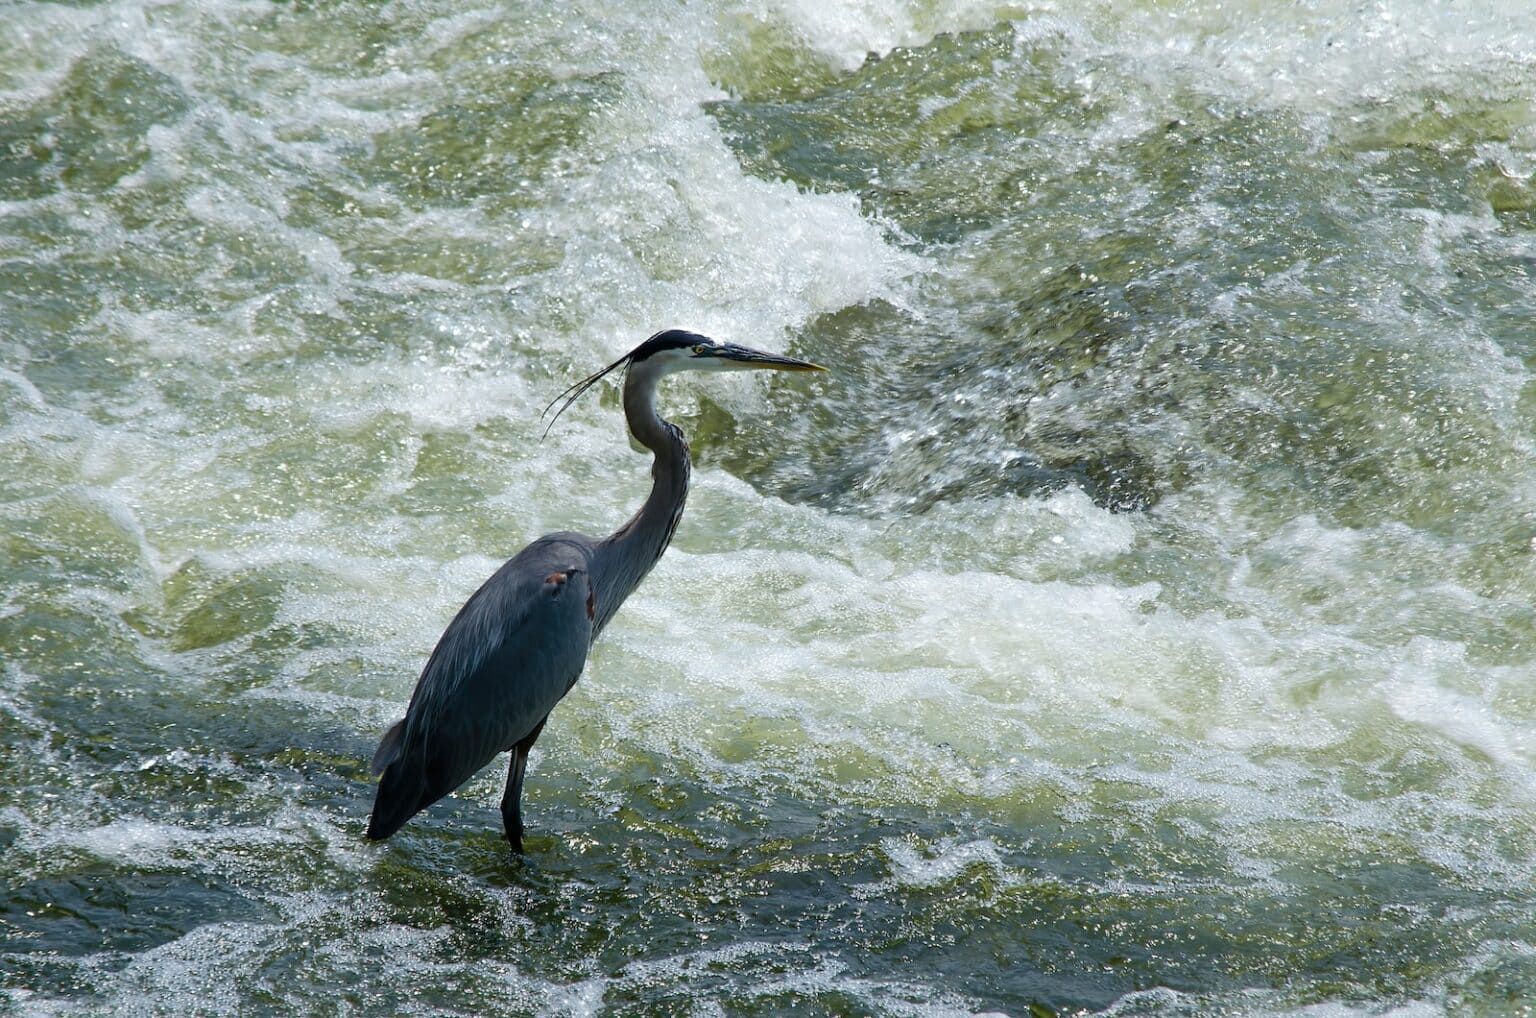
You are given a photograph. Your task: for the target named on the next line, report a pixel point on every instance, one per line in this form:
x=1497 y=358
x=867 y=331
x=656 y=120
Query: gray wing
x=512 y=652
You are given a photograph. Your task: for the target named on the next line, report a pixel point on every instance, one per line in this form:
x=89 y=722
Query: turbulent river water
x=1135 y=620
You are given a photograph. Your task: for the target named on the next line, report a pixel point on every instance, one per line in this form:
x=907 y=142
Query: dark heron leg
x=512 y=799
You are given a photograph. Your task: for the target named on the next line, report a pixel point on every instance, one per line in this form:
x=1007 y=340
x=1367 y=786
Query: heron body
x=521 y=641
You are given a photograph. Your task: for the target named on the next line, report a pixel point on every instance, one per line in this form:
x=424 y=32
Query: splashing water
x=1136 y=621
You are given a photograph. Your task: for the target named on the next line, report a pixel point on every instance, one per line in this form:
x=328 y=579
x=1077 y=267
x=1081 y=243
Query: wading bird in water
x=520 y=642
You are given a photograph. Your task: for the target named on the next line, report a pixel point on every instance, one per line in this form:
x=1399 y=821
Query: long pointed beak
x=747 y=357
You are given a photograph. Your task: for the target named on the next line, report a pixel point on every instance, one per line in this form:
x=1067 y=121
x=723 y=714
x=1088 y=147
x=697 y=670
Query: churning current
x=1136 y=619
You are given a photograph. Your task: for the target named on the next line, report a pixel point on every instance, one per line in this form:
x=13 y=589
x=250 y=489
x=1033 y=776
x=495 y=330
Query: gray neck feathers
x=622 y=560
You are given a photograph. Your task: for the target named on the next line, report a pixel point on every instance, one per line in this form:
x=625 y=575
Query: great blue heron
x=520 y=642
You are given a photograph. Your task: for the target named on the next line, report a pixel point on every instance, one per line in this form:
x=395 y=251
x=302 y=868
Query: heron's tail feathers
x=389 y=748
x=401 y=786
x=398 y=799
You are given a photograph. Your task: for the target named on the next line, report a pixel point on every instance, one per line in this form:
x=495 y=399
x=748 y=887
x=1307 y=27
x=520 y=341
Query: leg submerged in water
x=512 y=798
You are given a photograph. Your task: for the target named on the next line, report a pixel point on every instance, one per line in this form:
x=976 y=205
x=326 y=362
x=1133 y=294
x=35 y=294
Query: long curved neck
x=622 y=560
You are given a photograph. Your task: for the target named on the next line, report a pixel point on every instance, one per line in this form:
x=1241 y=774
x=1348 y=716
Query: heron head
x=679 y=350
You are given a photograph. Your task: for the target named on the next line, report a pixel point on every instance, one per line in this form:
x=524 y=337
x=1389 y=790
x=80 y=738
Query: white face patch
x=665 y=362
x=698 y=357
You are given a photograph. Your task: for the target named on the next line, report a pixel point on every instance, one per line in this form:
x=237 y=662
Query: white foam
x=897 y=997
x=1320 y=56
x=1421 y=690
x=845 y=34
x=912 y=869
x=978 y=659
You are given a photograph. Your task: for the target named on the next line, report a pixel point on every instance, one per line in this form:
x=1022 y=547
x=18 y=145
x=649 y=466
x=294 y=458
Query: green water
x=1136 y=620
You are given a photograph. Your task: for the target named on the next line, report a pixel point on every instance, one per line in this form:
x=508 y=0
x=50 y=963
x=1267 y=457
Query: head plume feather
x=667 y=339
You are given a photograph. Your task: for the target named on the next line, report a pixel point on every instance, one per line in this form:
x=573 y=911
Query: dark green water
x=1137 y=620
